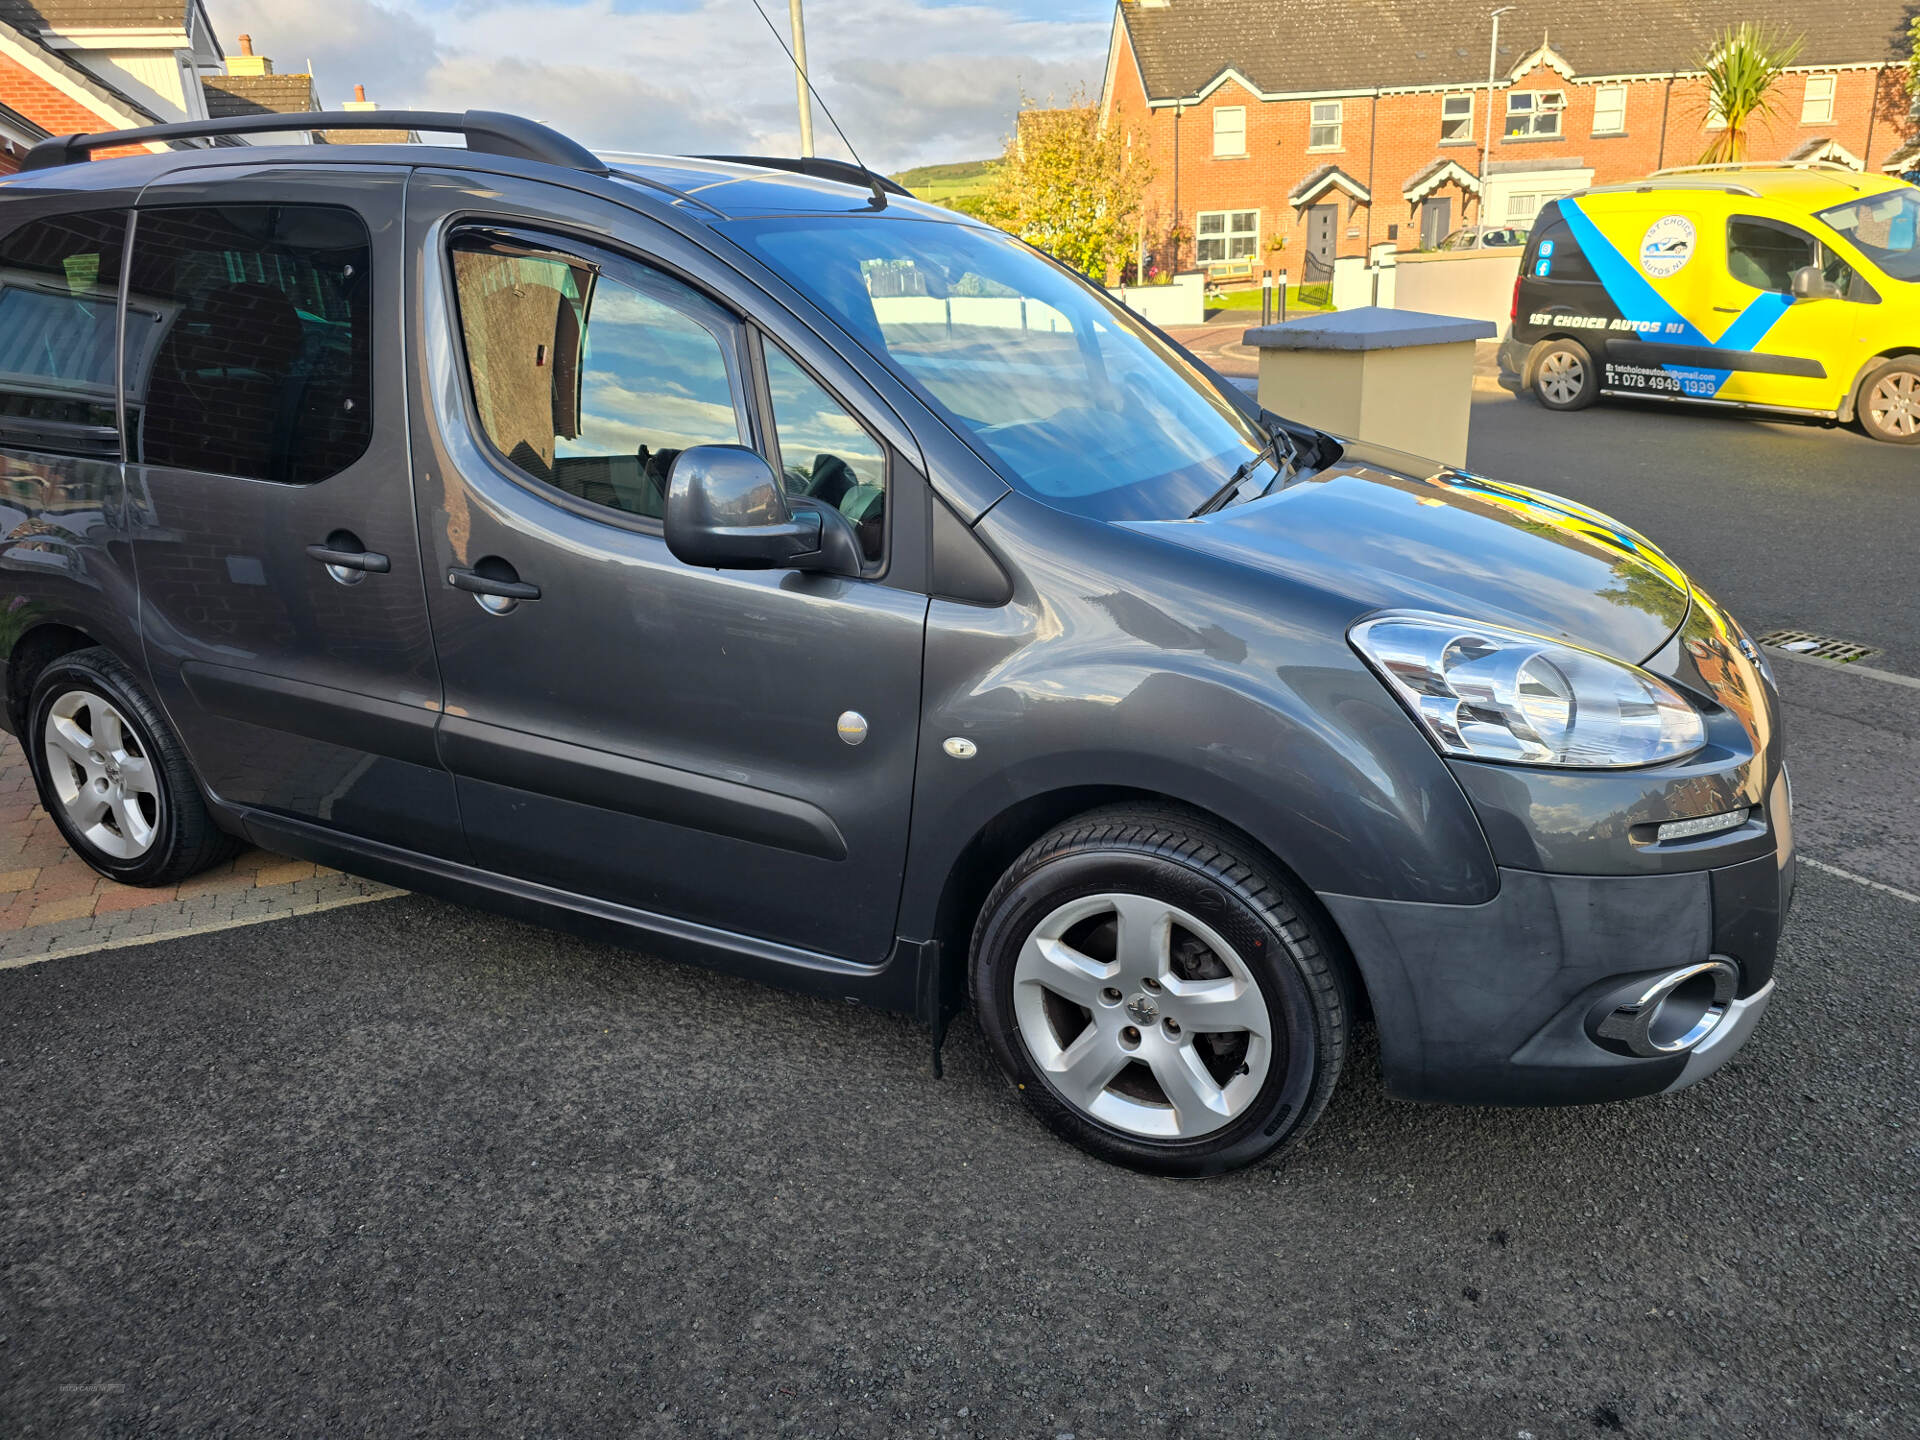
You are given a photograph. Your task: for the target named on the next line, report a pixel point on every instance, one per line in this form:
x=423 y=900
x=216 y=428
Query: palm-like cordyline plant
x=1743 y=70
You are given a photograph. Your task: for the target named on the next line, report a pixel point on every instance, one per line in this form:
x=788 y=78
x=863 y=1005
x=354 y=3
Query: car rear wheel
x=1889 y=406
x=1161 y=997
x=1564 y=375
x=114 y=778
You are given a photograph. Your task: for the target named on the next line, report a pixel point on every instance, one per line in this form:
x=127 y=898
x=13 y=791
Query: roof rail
x=1723 y=166
x=487 y=131
x=820 y=167
x=1677 y=182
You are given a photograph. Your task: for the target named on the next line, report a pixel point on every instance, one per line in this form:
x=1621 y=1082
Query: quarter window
x=587 y=382
x=826 y=454
x=1227 y=235
x=1610 y=110
x=1230 y=130
x=1534 y=112
x=1456 y=118
x=1816 y=107
x=59 y=279
x=1323 y=132
x=257 y=319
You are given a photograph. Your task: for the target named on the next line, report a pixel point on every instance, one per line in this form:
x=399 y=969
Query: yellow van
x=1791 y=289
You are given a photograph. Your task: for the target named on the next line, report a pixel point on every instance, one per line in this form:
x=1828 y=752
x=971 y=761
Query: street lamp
x=800 y=75
x=1486 y=145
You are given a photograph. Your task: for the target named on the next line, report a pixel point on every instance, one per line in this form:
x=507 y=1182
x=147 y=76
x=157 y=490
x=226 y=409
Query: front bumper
x=1493 y=1004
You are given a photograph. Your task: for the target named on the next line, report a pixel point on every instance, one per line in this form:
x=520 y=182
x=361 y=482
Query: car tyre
x=1162 y=997
x=1889 y=404
x=1564 y=375
x=113 y=776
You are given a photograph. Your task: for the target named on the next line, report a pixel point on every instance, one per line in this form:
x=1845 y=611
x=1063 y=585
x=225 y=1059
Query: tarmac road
x=406 y=1168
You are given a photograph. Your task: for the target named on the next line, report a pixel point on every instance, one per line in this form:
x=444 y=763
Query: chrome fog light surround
x=1700 y=825
x=1672 y=1014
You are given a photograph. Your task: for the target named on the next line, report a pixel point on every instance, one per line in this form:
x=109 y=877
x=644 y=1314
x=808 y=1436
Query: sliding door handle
x=366 y=560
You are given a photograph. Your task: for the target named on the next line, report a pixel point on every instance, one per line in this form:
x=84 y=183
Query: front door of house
x=1436 y=221
x=1322 y=224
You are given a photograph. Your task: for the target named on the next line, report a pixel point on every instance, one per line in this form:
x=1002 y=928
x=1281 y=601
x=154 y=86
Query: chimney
x=359 y=100
x=248 y=63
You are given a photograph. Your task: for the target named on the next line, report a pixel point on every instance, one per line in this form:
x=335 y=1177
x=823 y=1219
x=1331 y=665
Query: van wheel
x=114 y=778
x=1163 y=1000
x=1564 y=375
x=1889 y=406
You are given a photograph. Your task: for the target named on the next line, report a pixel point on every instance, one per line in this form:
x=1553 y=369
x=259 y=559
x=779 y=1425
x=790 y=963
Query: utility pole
x=1486 y=145
x=800 y=76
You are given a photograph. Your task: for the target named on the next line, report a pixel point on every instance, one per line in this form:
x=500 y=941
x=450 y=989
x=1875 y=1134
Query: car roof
x=1809 y=188
x=718 y=189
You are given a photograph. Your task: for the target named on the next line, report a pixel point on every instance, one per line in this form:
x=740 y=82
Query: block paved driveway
x=52 y=904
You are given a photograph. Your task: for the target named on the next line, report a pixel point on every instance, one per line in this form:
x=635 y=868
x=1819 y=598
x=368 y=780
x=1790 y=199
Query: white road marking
x=1885 y=676
x=20 y=962
x=1893 y=890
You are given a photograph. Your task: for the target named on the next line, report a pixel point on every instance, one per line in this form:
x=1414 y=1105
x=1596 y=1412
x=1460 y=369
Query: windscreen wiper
x=1277 y=437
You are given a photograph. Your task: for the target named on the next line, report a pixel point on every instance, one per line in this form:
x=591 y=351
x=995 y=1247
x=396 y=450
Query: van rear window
x=1554 y=255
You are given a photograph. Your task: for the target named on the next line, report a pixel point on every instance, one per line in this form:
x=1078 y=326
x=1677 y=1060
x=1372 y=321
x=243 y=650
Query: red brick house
x=1279 y=128
x=88 y=65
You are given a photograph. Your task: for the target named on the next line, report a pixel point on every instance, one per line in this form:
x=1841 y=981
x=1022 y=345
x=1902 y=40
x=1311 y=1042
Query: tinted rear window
x=59 y=278
x=262 y=367
x=1554 y=255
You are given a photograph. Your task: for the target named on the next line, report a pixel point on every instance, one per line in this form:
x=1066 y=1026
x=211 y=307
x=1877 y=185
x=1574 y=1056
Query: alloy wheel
x=1562 y=377
x=1895 y=404
x=102 y=776
x=1142 y=1017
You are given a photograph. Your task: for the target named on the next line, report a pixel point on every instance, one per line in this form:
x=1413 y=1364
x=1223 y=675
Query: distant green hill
x=951 y=185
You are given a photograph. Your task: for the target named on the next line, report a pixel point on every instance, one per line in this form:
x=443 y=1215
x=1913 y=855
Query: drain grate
x=1824 y=647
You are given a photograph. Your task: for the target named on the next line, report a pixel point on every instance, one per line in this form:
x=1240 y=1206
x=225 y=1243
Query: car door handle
x=1727 y=309
x=349 y=559
x=478 y=584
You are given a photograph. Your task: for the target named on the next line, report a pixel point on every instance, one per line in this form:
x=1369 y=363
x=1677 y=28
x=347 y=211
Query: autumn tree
x=1743 y=74
x=1070 y=187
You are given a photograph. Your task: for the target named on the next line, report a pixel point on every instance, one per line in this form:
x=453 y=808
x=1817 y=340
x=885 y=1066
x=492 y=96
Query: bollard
x=1266 y=297
x=1283 y=297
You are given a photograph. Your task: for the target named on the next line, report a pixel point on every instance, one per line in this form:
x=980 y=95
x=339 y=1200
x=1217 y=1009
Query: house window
x=1534 y=113
x=1456 y=118
x=1230 y=130
x=1324 y=133
x=1817 y=107
x=1522 y=207
x=1610 y=110
x=1227 y=235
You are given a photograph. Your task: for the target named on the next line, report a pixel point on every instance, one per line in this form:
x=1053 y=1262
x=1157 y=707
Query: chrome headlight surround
x=1488 y=692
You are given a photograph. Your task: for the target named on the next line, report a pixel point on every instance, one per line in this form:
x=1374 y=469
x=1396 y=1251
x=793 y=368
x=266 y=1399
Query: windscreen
x=1072 y=399
x=1884 y=228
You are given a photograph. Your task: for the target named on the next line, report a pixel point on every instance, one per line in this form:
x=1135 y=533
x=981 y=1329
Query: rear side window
x=1553 y=253
x=59 y=279
x=262 y=366
x=586 y=382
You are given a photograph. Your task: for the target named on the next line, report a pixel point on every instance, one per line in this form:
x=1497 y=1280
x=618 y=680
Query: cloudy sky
x=913 y=81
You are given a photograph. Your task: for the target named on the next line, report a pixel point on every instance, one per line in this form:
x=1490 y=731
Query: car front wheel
x=1890 y=403
x=1158 y=993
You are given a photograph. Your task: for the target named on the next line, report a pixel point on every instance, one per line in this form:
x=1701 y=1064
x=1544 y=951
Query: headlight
x=1490 y=693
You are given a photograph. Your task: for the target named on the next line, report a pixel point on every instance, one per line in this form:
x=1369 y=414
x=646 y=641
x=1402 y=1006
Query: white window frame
x=1514 y=213
x=1316 y=120
x=1601 y=96
x=1534 y=111
x=1465 y=137
x=1235 y=136
x=1227 y=236
x=1818 y=110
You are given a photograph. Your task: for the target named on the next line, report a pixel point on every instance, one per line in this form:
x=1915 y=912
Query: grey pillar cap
x=1372 y=327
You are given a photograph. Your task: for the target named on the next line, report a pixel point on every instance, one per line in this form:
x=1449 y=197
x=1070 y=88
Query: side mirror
x=726 y=510
x=1811 y=283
